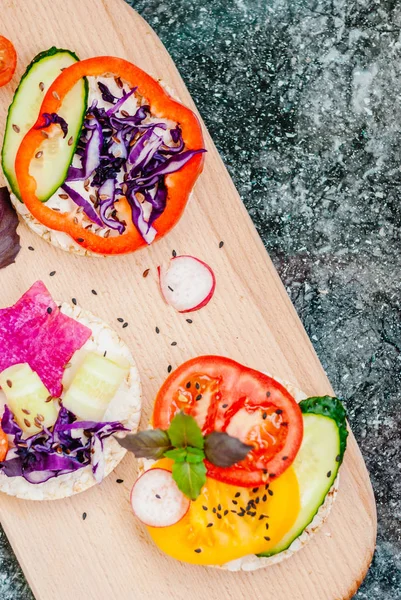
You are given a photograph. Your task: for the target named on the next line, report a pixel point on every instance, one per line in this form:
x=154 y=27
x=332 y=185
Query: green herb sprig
x=184 y=443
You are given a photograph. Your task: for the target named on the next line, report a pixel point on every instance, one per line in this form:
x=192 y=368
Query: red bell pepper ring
x=179 y=184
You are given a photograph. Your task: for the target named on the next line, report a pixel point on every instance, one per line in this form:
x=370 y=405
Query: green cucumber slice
x=94 y=385
x=318 y=460
x=50 y=170
x=28 y=398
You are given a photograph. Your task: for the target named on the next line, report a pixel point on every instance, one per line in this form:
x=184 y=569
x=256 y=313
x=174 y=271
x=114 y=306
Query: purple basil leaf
x=9 y=238
x=224 y=450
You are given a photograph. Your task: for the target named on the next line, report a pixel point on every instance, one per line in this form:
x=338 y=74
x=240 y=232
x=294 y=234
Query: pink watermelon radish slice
x=156 y=499
x=34 y=331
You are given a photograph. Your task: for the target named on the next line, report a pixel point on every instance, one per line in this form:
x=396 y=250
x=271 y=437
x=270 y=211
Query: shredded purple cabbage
x=49 y=118
x=126 y=157
x=70 y=446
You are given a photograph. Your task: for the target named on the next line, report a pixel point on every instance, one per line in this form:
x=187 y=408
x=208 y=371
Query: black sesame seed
x=329 y=474
x=267 y=538
x=267 y=394
x=158 y=497
x=218 y=515
x=174 y=253
x=197 y=385
x=225 y=512
x=285 y=458
x=169 y=369
x=173 y=343
x=237 y=495
x=235 y=501
x=198 y=550
x=94 y=292
x=264 y=416
x=204 y=507
x=224 y=405
x=52 y=273
x=49 y=310
x=272 y=475
x=338 y=458
x=257 y=500
x=261 y=517
x=266 y=486
x=265 y=471
x=264 y=498
x=170 y=288
x=284 y=424
x=255 y=490
x=270 y=492
x=84 y=515
x=234 y=511
x=209 y=525
x=80 y=240
x=157 y=330
x=125 y=325
x=221 y=244
x=189 y=320
x=219 y=507
x=267 y=525
x=279 y=411
x=241 y=514
x=214 y=509
x=188 y=385
x=119 y=480
x=31 y=248
x=9 y=383
x=120 y=320
x=252 y=514
x=105 y=353
x=198 y=397
x=74 y=301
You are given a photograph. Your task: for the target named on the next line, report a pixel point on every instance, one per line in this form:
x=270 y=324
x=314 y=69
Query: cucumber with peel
x=94 y=385
x=318 y=460
x=50 y=170
x=28 y=398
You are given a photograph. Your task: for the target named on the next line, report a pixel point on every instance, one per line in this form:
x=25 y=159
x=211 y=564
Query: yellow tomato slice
x=227 y=522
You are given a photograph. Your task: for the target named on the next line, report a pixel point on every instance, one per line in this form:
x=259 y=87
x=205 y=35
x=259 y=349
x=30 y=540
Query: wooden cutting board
x=108 y=556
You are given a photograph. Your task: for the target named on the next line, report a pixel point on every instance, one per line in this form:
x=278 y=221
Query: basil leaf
x=185 y=431
x=177 y=454
x=147 y=444
x=224 y=450
x=195 y=455
x=9 y=238
x=190 y=478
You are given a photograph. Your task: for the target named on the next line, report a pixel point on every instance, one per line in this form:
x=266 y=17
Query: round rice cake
x=251 y=562
x=125 y=407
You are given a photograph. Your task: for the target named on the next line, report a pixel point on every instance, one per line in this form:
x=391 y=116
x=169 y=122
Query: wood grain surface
x=109 y=556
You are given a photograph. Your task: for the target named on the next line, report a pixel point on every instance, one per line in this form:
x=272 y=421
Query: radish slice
x=187 y=284
x=156 y=499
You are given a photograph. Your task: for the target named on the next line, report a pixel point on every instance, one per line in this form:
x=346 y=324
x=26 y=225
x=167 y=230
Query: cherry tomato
x=8 y=60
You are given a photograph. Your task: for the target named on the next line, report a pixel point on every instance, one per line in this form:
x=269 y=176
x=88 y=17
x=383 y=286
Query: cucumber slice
x=94 y=386
x=50 y=170
x=28 y=398
x=318 y=460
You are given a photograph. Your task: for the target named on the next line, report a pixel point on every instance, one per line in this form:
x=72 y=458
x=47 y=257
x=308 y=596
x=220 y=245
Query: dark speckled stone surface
x=303 y=101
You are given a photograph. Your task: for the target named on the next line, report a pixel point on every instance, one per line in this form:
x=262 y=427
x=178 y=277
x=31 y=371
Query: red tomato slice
x=3 y=445
x=223 y=395
x=8 y=60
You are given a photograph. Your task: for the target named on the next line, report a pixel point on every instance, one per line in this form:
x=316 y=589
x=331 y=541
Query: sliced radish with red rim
x=156 y=499
x=187 y=284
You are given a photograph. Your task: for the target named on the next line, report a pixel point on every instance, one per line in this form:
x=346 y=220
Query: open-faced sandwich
x=68 y=384
x=99 y=158
x=238 y=470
